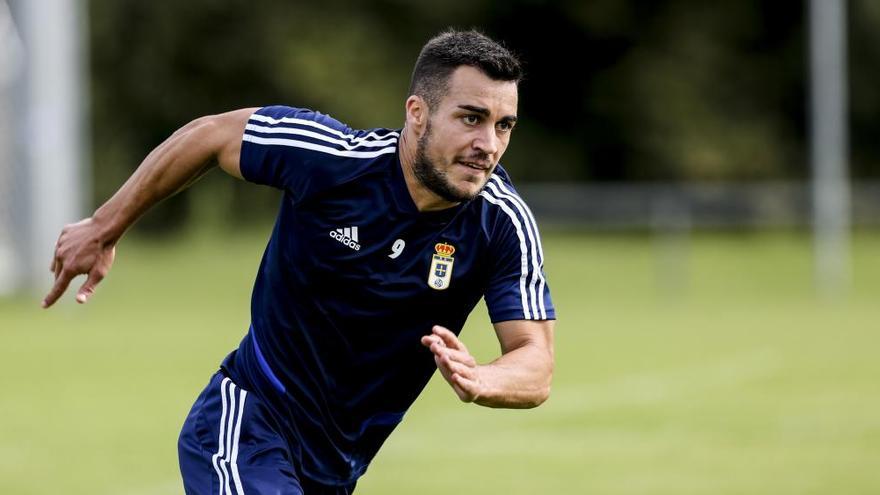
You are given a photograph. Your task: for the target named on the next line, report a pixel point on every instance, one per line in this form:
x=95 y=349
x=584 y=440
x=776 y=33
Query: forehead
x=470 y=86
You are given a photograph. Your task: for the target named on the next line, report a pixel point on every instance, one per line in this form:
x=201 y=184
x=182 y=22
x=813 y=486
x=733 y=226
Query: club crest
x=440 y=273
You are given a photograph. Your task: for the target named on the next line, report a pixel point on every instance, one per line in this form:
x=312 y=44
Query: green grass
x=684 y=366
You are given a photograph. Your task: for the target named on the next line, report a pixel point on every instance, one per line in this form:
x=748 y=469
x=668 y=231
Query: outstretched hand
x=455 y=363
x=79 y=250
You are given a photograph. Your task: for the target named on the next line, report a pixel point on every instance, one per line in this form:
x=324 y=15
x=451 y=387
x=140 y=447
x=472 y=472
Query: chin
x=470 y=190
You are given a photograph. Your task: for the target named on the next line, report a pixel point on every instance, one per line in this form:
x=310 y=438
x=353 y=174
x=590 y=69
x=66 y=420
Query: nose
x=486 y=141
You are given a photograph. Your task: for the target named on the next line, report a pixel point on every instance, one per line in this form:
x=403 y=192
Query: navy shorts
x=231 y=445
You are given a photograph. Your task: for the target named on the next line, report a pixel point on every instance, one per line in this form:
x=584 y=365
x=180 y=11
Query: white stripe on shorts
x=227 y=441
x=234 y=459
x=220 y=441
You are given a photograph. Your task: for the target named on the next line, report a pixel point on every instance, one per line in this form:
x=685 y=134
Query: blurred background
x=707 y=178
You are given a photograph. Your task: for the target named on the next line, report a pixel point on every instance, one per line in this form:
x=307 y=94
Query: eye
x=505 y=126
x=471 y=119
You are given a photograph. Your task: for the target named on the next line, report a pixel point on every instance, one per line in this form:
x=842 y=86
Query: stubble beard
x=436 y=180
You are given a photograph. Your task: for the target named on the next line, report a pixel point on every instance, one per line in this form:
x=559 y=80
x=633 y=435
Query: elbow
x=540 y=397
x=535 y=398
x=543 y=392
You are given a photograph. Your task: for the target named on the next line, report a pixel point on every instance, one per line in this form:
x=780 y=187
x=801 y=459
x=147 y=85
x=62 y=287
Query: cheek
x=502 y=146
x=446 y=151
x=440 y=155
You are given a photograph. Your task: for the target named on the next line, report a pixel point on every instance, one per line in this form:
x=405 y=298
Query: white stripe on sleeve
x=317 y=147
x=524 y=268
x=537 y=240
x=533 y=251
x=311 y=123
x=316 y=135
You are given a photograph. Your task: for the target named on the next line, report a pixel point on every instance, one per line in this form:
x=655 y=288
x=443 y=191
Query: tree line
x=616 y=90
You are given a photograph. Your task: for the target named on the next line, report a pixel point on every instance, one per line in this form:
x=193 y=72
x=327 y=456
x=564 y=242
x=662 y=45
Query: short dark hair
x=451 y=49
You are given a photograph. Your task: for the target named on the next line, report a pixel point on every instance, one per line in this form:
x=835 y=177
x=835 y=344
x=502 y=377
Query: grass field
x=689 y=366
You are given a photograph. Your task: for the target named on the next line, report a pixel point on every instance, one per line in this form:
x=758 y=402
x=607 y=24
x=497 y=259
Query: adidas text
x=347 y=236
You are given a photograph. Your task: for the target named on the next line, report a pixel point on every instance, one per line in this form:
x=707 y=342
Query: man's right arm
x=88 y=246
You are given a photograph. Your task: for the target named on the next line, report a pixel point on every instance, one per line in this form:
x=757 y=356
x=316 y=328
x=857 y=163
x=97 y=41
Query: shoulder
x=504 y=210
x=317 y=132
x=306 y=152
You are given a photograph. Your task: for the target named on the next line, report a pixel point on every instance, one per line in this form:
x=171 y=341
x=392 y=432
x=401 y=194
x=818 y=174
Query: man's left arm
x=519 y=378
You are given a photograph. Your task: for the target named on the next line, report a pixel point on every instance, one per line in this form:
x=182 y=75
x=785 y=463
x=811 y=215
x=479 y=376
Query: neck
x=424 y=198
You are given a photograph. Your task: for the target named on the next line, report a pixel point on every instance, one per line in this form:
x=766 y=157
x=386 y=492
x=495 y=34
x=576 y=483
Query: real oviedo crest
x=440 y=273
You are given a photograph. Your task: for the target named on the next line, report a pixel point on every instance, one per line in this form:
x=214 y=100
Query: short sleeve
x=517 y=287
x=303 y=151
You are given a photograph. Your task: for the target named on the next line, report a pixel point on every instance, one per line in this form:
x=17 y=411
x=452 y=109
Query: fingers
x=469 y=389
x=456 y=367
x=451 y=361
x=454 y=355
x=55 y=265
x=61 y=282
x=438 y=347
x=428 y=340
x=88 y=288
x=442 y=342
x=449 y=338
x=455 y=373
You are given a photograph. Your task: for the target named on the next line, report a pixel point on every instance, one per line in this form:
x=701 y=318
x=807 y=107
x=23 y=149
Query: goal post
x=45 y=163
x=11 y=70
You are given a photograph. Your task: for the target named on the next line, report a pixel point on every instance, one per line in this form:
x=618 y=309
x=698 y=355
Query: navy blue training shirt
x=354 y=275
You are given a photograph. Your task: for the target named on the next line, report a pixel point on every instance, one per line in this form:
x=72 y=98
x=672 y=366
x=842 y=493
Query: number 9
x=397 y=248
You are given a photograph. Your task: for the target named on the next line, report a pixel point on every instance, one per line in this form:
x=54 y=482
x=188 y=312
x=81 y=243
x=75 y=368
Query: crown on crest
x=444 y=249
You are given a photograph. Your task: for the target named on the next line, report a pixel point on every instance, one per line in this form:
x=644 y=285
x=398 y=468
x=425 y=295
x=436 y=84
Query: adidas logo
x=347 y=236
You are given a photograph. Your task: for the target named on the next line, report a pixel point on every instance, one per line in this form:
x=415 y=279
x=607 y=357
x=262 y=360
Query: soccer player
x=384 y=243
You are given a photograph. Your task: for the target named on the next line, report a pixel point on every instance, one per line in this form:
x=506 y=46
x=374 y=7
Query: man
x=384 y=242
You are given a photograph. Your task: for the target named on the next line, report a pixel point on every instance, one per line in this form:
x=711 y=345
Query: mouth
x=481 y=166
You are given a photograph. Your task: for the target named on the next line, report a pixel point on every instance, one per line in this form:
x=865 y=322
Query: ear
x=417 y=114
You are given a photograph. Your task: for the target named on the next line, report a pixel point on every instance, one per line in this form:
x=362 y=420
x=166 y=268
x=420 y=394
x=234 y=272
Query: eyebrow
x=485 y=112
